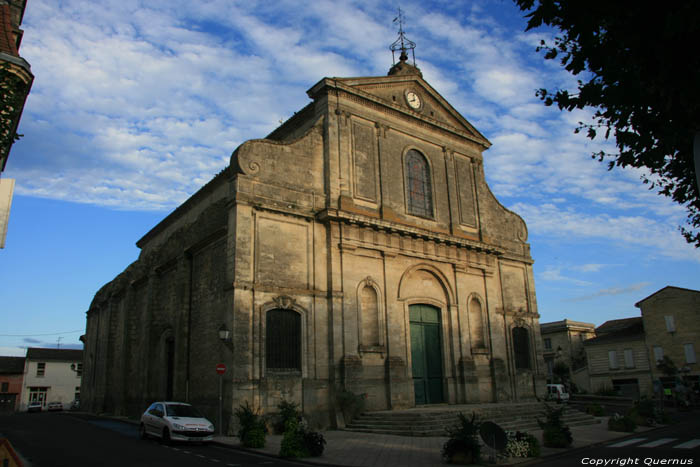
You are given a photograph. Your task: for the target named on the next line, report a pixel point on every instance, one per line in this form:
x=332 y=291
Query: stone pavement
x=347 y=448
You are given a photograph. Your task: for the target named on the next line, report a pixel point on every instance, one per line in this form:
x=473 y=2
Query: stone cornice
x=350 y=218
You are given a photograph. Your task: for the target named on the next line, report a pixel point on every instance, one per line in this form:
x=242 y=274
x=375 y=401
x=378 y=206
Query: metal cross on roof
x=402 y=43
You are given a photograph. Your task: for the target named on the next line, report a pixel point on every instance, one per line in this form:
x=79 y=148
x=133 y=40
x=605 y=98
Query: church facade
x=356 y=248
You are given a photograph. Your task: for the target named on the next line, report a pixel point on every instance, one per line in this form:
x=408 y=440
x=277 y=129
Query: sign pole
x=220 y=370
x=221 y=384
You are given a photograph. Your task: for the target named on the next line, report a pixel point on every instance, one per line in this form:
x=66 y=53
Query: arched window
x=283 y=340
x=521 y=348
x=418 y=187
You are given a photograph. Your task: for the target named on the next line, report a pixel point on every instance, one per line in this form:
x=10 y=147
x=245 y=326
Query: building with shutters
x=52 y=375
x=357 y=247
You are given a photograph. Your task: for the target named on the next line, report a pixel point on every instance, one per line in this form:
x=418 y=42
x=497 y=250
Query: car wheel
x=166 y=436
x=142 y=432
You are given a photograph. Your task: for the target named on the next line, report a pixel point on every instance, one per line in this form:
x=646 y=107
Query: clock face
x=413 y=100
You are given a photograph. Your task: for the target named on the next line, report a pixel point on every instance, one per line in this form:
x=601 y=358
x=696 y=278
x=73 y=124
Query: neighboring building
x=52 y=375
x=11 y=376
x=672 y=327
x=15 y=74
x=15 y=82
x=617 y=358
x=562 y=341
x=357 y=247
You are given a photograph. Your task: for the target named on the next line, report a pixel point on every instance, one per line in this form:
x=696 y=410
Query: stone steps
x=426 y=422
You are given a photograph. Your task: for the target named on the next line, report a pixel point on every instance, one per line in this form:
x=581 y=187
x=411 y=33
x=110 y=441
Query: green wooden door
x=426 y=354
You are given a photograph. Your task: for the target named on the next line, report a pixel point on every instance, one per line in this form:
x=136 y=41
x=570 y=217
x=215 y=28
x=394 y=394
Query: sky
x=135 y=105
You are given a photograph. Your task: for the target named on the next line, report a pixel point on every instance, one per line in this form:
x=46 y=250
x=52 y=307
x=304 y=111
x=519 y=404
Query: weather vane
x=402 y=43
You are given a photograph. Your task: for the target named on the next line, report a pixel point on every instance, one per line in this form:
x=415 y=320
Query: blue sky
x=136 y=105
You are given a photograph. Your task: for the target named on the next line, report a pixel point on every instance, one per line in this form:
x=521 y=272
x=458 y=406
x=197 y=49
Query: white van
x=557 y=392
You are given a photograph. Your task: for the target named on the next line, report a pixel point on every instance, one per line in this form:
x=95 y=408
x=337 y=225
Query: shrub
x=299 y=441
x=314 y=442
x=293 y=441
x=521 y=444
x=554 y=433
x=463 y=445
x=624 y=423
x=287 y=411
x=252 y=429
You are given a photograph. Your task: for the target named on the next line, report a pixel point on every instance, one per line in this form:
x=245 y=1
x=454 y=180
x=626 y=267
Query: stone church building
x=357 y=247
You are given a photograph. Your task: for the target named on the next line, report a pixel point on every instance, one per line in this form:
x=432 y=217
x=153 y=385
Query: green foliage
x=13 y=91
x=350 y=403
x=596 y=410
x=554 y=433
x=641 y=88
x=624 y=423
x=299 y=441
x=252 y=429
x=287 y=411
x=464 y=440
x=293 y=441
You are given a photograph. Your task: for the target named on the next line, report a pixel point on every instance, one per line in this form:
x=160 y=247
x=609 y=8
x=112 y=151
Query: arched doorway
x=426 y=354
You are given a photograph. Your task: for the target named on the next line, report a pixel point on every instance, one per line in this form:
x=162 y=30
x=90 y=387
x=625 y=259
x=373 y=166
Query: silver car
x=175 y=421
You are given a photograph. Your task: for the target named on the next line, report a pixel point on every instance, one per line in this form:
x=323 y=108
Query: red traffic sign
x=220 y=369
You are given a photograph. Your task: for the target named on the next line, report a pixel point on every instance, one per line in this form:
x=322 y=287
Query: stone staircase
x=433 y=420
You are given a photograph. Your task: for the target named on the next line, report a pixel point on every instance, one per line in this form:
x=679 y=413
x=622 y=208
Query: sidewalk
x=353 y=449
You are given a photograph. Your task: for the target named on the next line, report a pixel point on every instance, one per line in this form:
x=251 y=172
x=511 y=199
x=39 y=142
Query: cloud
x=552 y=273
x=611 y=291
x=29 y=340
x=550 y=220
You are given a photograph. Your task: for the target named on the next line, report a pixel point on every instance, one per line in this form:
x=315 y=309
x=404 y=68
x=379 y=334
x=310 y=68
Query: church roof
x=388 y=91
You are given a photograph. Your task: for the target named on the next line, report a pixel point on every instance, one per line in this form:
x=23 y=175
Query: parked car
x=34 y=406
x=175 y=421
x=55 y=406
x=557 y=392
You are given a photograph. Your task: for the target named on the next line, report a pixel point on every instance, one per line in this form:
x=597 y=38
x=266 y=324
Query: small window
x=40 y=369
x=670 y=324
x=521 y=348
x=689 y=353
x=629 y=358
x=5 y=387
x=77 y=393
x=419 y=197
x=612 y=359
x=548 y=344
x=283 y=340
x=658 y=353
x=79 y=369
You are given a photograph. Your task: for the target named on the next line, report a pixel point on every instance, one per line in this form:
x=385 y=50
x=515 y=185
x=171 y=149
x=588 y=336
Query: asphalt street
x=69 y=439
x=676 y=444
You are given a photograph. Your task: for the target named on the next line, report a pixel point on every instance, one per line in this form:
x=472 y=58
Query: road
x=70 y=439
x=676 y=444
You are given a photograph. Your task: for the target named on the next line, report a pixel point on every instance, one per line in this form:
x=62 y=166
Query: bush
x=521 y=444
x=299 y=441
x=287 y=411
x=252 y=429
x=554 y=433
x=624 y=423
x=463 y=445
x=596 y=410
x=293 y=441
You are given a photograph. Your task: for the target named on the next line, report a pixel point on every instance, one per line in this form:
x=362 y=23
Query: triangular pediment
x=400 y=91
